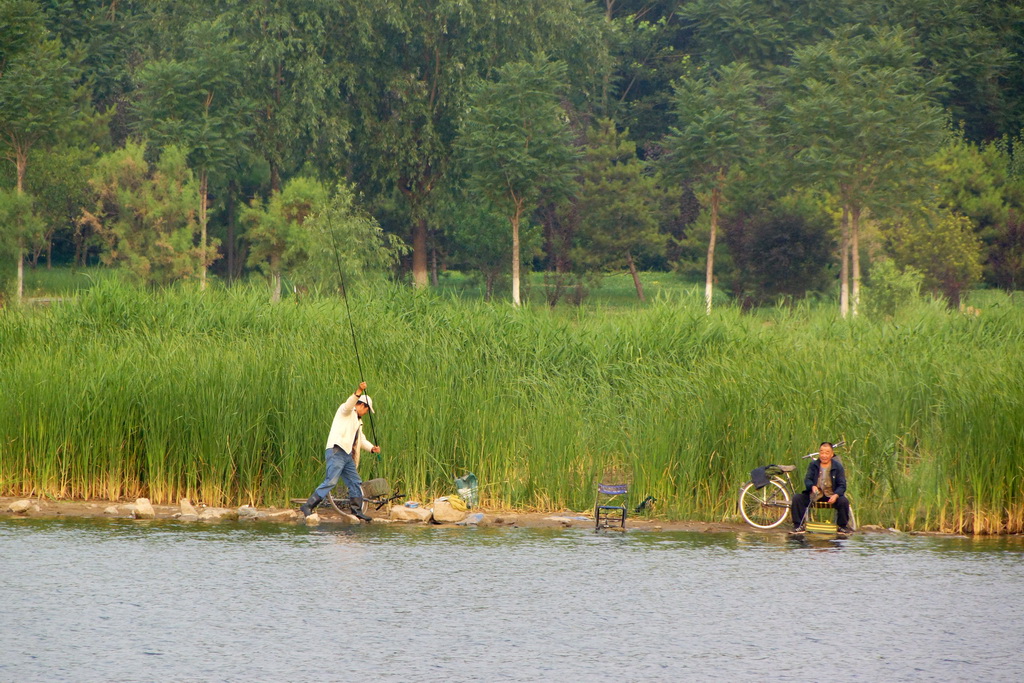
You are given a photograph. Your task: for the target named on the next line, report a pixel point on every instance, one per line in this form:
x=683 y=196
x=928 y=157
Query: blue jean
x=340 y=465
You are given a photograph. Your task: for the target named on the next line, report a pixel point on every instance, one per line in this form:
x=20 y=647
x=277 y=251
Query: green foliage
x=721 y=131
x=721 y=125
x=649 y=44
x=342 y=235
x=974 y=47
x=196 y=101
x=941 y=246
x=480 y=239
x=294 y=78
x=890 y=289
x=761 y=32
x=278 y=242
x=860 y=113
x=20 y=225
x=146 y=217
x=297 y=231
x=23 y=28
x=980 y=182
x=225 y=399
x=36 y=99
x=778 y=248
x=618 y=202
x=515 y=141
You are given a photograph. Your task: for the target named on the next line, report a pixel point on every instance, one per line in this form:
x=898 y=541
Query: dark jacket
x=838 y=476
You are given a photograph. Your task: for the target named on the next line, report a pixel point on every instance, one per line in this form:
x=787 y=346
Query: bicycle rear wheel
x=765 y=508
x=341 y=505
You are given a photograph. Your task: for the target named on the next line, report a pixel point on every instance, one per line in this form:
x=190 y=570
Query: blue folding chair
x=610 y=504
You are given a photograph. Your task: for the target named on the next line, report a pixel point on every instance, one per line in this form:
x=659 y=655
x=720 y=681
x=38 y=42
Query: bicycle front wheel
x=765 y=507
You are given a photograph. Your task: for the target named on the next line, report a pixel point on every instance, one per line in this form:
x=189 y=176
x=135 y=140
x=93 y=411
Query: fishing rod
x=351 y=326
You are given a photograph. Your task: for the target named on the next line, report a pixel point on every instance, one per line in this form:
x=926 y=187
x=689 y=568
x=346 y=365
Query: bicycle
x=768 y=506
x=376 y=494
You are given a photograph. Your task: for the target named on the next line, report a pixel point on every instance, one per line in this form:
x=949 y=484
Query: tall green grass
x=227 y=399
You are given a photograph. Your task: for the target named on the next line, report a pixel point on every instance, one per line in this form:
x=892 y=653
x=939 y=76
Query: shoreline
x=44 y=508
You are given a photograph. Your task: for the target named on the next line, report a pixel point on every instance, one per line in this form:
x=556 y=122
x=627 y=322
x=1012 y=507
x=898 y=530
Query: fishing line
x=351 y=327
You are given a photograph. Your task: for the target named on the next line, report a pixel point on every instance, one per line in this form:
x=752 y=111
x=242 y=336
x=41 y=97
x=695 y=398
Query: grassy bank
x=225 y=398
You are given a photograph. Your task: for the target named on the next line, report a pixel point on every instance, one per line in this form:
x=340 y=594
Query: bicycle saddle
x=787 y=468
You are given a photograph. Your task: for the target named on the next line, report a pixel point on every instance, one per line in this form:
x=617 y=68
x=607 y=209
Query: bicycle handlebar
x=839 y=444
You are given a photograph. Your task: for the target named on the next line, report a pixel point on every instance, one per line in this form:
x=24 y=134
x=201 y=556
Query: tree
x=974 y=47
x=197 y=104
x=147 y=217
x=941 y=246
x=275 y=229
x=779 y=247
x=294 y=77
x=36 y=95
x=762 y=33
x=721 y=127
x=984 y=183
x=22 y=224
x=890 y=288
x=861 y=119
x=345 y=244
x=515 y=142
x=619 y=204
x=480 y=238
x=416 y=61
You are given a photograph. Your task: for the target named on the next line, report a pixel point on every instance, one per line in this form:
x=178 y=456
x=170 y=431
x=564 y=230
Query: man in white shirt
x=344 y=443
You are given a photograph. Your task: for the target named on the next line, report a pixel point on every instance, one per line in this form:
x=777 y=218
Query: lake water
x=117 y=600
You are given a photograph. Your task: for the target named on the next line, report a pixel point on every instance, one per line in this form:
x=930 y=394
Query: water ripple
x=124 y=601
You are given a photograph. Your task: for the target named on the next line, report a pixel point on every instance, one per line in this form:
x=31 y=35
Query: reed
x=226 y=399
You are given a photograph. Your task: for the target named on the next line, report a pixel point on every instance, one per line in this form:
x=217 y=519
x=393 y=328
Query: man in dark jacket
x=825 y=482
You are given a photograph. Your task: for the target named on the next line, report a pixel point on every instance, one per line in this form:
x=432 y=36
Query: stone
x=143 y=509
x=217 y=514
x=20 y=507
x=404 y=514
x=248 y=513
x=473 y=519
x=313 y=520
x=282 y=515
x=112 y=510
x=444 y=513
x=187 y=508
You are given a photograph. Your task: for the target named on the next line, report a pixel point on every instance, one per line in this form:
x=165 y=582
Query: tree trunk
x=419 y=253
x=275 y=176
x=489 y=278
x=515 y=251
x=844 y=264
x=636 y=277
x=21 y=163
x=433 y=266
x=855 y=257
x=231 y=230
x=716 y=199
x=21 y=272
x=203 y=180
x=275 y=279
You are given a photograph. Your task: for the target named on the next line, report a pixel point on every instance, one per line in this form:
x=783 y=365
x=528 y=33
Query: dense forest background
x=769 y=148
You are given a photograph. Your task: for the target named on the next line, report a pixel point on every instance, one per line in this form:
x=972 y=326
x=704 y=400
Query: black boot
x=310 y=505
x=357 y=509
